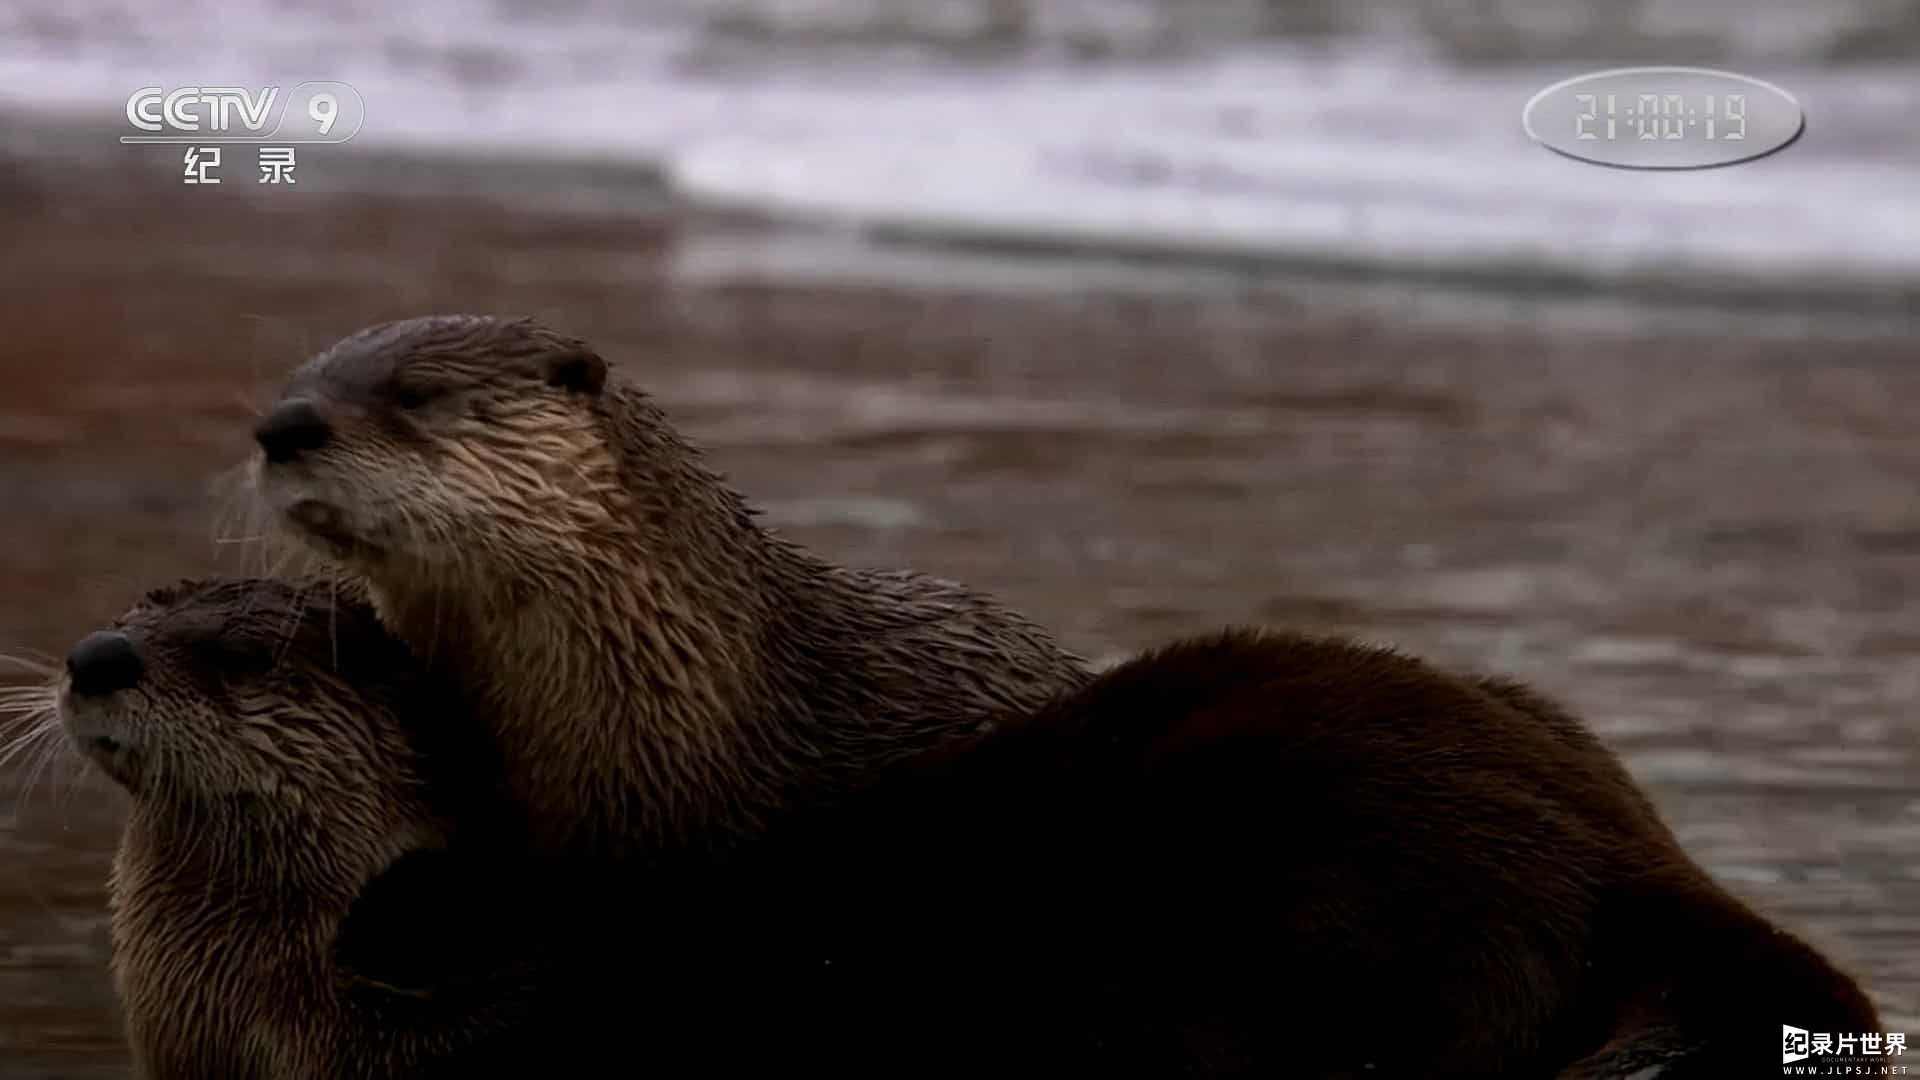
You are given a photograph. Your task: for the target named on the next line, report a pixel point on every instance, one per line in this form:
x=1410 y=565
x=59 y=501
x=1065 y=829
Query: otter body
x=281 y=753
x=658 y=670
x=1265 y=854
x=929 y=843
x=1241 y=855
x=1249 y=854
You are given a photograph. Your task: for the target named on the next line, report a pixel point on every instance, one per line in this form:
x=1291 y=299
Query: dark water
x=1703 y=536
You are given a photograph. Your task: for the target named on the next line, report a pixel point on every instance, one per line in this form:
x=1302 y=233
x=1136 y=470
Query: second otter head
x=410 y=447
x=261 y=705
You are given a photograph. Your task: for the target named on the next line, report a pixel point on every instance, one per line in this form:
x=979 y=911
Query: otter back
x=1248 y=854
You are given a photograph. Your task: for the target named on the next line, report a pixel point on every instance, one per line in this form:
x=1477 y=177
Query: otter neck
x=679 y=695
x=199 y=911
x=272 y=861
x=638 y=712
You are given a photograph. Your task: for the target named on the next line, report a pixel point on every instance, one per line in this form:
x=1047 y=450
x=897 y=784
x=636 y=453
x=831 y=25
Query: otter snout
x=293 y=428
x=102 y=663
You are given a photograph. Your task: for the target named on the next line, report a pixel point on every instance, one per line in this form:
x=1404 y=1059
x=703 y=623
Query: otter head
x=290 y=897
x=412 y=450
x=245 y=712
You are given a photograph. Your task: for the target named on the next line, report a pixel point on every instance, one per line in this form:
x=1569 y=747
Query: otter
x=661 y=672
x=1251 y=853
x=283 y=753
x=1287 y=855
x=293 y=897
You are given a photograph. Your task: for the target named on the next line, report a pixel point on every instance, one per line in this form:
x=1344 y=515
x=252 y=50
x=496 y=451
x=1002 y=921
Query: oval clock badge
x=1663 y=118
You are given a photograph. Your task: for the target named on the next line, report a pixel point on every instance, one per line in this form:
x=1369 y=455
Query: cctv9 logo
x=313 y=112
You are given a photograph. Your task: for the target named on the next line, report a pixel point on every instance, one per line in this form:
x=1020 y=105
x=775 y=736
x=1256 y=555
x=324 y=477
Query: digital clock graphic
x=1663 y=118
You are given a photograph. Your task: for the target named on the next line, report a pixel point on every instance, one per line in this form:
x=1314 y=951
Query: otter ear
x=582 y=372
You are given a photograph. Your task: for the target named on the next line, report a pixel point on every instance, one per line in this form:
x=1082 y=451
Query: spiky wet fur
x=280 y=752
x=659 y=669
x=1176 y=870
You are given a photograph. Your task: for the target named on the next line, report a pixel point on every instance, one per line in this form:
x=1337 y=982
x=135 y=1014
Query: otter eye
x=410 y=397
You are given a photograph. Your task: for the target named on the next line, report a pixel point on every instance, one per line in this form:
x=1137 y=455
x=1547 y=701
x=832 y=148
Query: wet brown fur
x=1244 y=854
x=1266 y=854
x=659 y=669
x=1247 y=854
x=281 y=752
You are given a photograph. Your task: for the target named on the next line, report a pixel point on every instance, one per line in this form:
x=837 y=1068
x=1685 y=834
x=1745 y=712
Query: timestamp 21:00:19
x=1663 y=116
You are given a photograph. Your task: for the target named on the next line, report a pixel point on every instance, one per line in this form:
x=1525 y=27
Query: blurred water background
x=1149 y=315
x=1373 y=132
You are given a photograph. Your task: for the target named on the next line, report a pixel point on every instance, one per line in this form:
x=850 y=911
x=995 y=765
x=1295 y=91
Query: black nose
x=103 y=662
x=292 y=428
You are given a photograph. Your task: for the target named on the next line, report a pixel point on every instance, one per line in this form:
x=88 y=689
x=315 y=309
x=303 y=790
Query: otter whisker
x=31 y=665
x=12 y=751
x=28 y=699
x=259 y=517
x=243 y=515
x=309 y=583
x=37 y=730
x=296 y=561
x=33 y=750
x=22 y=706
x=295 y=613
x=276 y=570
x=69 y=776
x=247 y=403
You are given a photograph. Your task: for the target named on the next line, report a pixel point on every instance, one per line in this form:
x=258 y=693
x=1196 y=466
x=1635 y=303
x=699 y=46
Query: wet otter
x=1239 y=855
x=659 y=669
x=1246 y=854
x=292 y=897
x=281 y=753
x=1282 y=855
x=1250 y=854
